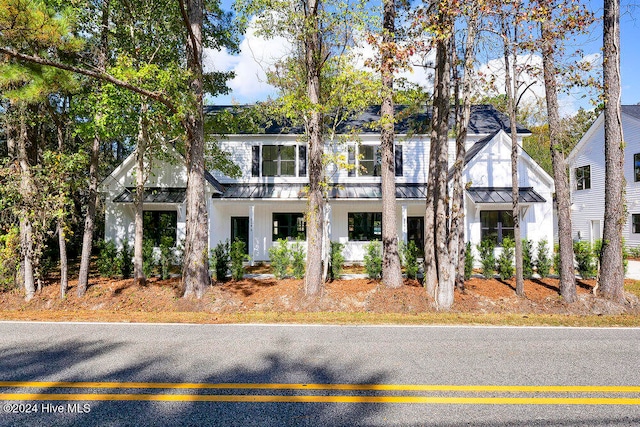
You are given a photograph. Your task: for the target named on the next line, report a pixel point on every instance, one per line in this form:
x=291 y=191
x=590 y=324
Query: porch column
x=251 y=249
x=405 y=233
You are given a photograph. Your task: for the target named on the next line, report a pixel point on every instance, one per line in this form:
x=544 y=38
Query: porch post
x=251 y=248
x=404 y=224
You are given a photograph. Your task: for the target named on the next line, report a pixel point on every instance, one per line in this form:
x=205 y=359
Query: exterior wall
x=587 y=206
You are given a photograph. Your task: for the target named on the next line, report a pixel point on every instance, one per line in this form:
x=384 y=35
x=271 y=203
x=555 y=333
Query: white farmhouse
x=268 y=201
x=587 y=172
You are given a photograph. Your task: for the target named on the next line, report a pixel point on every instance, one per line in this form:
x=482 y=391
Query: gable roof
x=484 y=119
x=631 y=110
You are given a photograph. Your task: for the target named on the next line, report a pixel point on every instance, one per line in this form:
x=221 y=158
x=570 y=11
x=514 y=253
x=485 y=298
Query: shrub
x=527 y=259
x=148 y=258
x=337 y=260
x=487 y=257
x=298 y=260
x=373 y=260
x=468 y=261
x=543 y=263
x=108 y=260
x=166 y=257
x=505 y=260
x=238 y=257
x=126 y=259
x=219 y=260
x=9 y=257
x=409 y=253
x=280 y=257
x=585 y=259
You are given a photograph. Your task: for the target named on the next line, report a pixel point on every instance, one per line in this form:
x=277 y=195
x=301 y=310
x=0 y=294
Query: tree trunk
x=567 y=275
x=92 y=197
x=315 y=214
x=62 y=244
x=457 y=243
x=391 y=268
x=195 y=269
x=611 y=279
x=138 y=199
x=515 y=186
x=27 y=191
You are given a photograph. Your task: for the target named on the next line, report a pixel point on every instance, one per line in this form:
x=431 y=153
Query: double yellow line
x=527 y=395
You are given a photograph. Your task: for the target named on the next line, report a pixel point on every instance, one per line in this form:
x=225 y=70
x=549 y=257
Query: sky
x=249 y=86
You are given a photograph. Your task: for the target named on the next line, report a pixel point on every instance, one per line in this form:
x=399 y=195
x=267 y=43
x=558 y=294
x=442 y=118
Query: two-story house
x=268 y=201
x=587 y=173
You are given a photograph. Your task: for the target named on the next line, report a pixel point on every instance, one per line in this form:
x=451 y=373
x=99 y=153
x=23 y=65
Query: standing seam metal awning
x=503 y=195
x=154 y=195
x=298 y=191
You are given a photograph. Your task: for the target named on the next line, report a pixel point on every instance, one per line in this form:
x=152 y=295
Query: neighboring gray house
x=587 y=171
x=268 y=203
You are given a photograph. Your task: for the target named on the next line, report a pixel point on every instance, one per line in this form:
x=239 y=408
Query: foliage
x=527 y=259
x=410 y=263
x=585 y=259
x=298 y=259
x=468 y=261
x=238 y=257
x=148 y=258
x=506 y=268
x=219 y=260
x=126 y=259
x=487 y=257
x=9 y=257
x=166 y=256
x=108 y=260
x=337 y=260
x=373 y=259
x=543 y=262
x=280 y=257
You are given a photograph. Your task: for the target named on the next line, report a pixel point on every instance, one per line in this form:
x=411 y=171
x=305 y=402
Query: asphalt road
x=267 y=375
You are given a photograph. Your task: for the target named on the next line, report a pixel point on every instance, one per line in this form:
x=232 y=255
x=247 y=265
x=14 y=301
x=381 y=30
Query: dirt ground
x=270 y=295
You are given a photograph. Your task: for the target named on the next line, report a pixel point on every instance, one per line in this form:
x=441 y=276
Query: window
x=583 y=178
x=496 y=225
x=635 y=223
x=365 y=226
x=160 y=227
x=289 y=226
x=278 y=160
x=370 y=160
x=636 y=167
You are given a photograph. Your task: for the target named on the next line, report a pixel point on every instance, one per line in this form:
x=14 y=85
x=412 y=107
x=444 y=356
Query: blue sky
x=249 y=86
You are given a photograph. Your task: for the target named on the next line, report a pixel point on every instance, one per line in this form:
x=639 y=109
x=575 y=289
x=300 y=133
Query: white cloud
x=256 y=55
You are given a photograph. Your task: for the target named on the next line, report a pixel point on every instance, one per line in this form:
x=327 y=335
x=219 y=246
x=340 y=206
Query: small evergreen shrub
x=487 y=257
x=468 y=261
x=337 y=260
x=108 y=260
x=9 y=258
x=409 y=253
x=238 y=257
x=219 y=260
x=166 y=257
x=585 y=259
x=126 y=259
x=280 y=257
x=527 y=259
x=373 y=260
x=148 y=258
x=506 y=268
x=543 y=262
x=298 y=258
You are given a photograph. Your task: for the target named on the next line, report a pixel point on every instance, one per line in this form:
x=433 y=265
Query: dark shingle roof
x=503 y=195
x=632 y=110
x=484 y=119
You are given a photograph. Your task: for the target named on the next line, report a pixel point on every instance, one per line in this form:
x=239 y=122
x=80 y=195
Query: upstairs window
x=583 y=178
x=496 y=225
x=636 y=167
x=370 y=160
x=279 y=160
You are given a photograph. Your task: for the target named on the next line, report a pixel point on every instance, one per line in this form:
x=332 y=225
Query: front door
x=240 y=230
x=415 y=232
